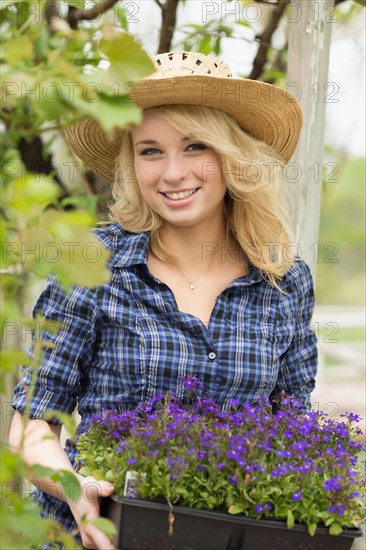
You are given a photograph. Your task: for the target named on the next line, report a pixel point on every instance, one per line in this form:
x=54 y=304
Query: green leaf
x=25 y=526
x=66 y=246
x=312 y=529
x=68 y=480
x=109 y=476
x=335 y=529
x=11 y=357
x=66 y=419
x=122 y=16
x=69 y=483
x=244 y=23
x=30 y=195
x=217 y=46
x=98 y=474
x=79 y=4
x=110 y=111
x=205 y=45
x=18 y=49
x=104 y=525
x=235 y=509
x=42 y=471
x=86 y=471
x=129 y=62
x=290 y=519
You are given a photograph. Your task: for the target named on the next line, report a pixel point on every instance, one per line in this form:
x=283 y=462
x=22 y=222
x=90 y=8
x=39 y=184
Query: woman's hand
x=88 y=508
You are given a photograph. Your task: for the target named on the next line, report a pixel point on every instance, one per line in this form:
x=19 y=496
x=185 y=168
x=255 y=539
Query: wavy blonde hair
x=255 y=207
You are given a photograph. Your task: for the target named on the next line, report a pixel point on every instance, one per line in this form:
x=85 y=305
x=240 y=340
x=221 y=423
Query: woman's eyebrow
x=153 y=142
x=146 y=142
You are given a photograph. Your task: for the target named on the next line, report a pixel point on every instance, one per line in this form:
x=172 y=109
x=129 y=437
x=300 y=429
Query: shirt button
x=212 y=355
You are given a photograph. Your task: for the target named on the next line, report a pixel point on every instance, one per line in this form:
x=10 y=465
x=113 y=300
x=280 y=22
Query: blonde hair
x=255 y=208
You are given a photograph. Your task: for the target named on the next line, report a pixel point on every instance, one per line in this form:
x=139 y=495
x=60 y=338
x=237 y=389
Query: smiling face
x=179 y=178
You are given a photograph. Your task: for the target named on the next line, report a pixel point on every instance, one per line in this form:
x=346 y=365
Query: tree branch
x=31 y=153
x=265 y=40
x=169 y=18
x=53 y=11
x=87 y=14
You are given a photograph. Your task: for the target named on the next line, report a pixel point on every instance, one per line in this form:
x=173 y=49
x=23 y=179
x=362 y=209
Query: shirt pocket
x=251 y=351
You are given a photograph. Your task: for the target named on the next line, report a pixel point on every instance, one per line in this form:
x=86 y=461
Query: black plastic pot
x=144 y=525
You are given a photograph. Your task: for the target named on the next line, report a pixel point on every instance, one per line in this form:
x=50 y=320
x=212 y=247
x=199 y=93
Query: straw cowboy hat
x=267 y=112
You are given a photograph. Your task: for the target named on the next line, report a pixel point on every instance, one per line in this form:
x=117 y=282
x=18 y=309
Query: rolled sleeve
x=298 y=365
x=59 y=379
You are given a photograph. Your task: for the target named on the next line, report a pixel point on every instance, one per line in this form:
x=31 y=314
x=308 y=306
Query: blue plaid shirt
x=125 y=341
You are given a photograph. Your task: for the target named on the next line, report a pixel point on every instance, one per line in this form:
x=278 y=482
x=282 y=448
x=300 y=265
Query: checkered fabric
x=123 y=342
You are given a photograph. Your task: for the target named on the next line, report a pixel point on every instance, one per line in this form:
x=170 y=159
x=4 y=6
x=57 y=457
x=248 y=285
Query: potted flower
x=196 y=477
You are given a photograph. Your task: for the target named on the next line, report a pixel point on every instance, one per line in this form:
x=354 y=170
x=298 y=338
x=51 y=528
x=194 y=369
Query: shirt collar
x=130 y=249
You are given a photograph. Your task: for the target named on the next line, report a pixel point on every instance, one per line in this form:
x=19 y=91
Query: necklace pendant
x=192 y=286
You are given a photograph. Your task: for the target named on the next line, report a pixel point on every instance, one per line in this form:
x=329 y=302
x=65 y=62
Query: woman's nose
x=175 y=169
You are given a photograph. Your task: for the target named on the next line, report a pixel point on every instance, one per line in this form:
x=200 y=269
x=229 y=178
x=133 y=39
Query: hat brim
x=264 y=111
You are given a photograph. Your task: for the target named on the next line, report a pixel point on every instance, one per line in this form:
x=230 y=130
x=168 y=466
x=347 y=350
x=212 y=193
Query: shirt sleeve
x=298 y=365
x=59 y=379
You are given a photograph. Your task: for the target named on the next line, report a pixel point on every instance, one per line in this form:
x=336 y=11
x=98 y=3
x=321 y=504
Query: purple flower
x=132 y=461
x=339 y=508
x=122 y=446
x=296 y=496
x=333 y=484
x=233 y=479
x=201 y=455
x=352 y=417
x=192 y=382
x=284 y=454
x=232 y=454
x=259 y=508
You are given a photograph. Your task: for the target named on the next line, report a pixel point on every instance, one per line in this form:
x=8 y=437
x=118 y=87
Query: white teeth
x=180 y=195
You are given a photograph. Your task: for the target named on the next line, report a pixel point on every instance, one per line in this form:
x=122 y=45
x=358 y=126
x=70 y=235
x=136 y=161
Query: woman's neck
x=195 y=248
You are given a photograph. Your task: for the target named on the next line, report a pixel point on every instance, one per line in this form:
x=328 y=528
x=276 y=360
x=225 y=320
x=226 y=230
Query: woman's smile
x=179 y=197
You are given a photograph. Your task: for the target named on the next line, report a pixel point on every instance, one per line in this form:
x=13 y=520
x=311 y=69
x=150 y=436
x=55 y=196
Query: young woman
x=203 y=278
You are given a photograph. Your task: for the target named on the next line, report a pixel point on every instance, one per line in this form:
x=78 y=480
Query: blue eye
x=197 y=147
x=150 y=151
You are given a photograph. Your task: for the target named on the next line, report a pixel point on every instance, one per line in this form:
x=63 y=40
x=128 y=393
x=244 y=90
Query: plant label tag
x=131 y=484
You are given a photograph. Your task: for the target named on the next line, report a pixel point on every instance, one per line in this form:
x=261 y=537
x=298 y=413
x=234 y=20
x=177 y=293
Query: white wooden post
x=310 y=24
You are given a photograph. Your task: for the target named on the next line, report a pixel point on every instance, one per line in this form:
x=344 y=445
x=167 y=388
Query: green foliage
x=340 y=278
x=206 y=38
x=105 y=525
x=52 y=75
